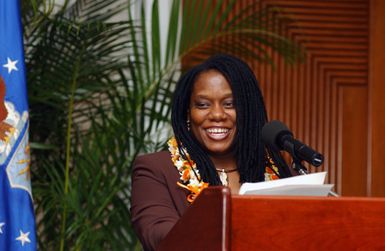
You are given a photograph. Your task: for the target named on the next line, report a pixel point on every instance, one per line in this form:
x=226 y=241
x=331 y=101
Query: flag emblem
x=17 y=220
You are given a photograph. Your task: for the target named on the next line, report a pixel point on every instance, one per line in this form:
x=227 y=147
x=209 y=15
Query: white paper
x=294 y=190
x=310 y=184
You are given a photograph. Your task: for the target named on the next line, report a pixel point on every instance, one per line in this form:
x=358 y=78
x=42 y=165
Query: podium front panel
x=307 y=223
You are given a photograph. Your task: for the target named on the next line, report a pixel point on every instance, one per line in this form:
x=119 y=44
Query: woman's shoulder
x=157 y=161
x=155 y=166
x=162 y=156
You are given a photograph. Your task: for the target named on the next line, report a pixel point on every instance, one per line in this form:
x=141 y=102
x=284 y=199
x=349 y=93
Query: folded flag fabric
x=17 y=220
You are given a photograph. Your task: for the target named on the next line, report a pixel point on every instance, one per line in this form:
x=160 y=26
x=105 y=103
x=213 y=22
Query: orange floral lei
x=271 y=171
x=189 y=174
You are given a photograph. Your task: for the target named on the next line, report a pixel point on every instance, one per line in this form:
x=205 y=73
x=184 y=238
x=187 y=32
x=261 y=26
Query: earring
x=188 y=124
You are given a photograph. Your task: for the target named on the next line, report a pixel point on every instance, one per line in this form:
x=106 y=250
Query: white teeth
x=217 y=130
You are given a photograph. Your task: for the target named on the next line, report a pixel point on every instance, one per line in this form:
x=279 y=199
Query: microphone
x=278 y=136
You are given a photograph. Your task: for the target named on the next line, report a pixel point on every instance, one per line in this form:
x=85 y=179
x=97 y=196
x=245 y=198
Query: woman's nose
x=217 y=112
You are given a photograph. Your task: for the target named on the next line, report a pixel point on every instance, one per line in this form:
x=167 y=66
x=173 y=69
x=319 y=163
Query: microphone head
x=273 y=132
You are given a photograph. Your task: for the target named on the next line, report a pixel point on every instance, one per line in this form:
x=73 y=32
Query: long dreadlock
x=250 y=152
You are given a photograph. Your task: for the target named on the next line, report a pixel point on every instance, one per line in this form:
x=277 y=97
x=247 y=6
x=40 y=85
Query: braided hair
x=252 y=156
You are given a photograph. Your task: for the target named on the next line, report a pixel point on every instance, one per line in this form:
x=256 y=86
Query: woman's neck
x=226 y=166
x=224 y=162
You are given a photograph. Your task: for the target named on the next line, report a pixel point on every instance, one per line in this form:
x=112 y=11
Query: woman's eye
x=201 y=105
x=229 y=104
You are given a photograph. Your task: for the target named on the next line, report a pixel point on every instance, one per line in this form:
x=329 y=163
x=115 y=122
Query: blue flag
x=17 y=220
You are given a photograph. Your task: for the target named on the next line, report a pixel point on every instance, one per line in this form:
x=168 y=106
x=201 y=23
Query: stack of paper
x=303 y=185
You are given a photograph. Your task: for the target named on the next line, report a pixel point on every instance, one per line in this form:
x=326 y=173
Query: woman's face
x=212 y=113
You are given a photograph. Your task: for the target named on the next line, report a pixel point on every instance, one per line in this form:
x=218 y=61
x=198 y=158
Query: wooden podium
x=219 y=221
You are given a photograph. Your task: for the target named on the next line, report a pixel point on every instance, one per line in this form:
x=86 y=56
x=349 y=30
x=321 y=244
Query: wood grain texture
x=335 y=100
x=307 y=223
x=218 y=221
x=325 y=99
x=205 y=225
x=376 y=170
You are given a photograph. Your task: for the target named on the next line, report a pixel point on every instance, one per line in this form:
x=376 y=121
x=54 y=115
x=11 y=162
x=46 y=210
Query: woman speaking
x=217 y=116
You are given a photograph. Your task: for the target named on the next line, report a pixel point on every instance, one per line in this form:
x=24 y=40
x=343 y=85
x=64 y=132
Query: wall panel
x=325 y=99
x=376 y=146
x=335 y=100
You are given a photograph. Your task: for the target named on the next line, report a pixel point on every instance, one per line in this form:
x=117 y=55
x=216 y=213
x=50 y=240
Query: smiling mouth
x=217 y=133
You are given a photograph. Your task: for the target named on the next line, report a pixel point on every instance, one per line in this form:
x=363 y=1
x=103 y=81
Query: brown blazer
x=157 y=202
